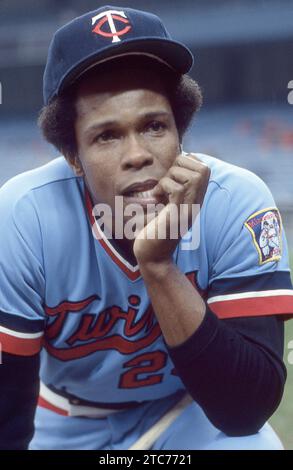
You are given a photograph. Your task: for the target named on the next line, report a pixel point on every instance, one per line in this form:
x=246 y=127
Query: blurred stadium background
x=243 y=51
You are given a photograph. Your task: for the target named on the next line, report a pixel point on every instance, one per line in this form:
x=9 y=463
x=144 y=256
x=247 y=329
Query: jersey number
x=142 y=370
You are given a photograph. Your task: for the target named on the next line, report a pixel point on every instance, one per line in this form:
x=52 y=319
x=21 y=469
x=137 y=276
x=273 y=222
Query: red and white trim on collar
x=132 y=272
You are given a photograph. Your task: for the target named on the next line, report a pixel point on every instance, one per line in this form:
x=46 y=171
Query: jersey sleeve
x=249 y=267
x=22 y=284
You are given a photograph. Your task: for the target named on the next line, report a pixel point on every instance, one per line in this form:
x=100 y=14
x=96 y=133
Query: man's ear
x=76 y=165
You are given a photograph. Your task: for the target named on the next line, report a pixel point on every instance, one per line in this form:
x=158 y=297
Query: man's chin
x=133 y=225
x=131 y=218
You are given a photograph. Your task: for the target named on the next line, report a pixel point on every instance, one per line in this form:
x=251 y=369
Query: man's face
x=126 y=136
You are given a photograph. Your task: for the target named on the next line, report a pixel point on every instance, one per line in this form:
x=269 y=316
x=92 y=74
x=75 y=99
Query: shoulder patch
x=265 y=227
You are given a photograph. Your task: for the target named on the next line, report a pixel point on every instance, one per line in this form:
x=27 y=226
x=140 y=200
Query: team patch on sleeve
x=265 y=227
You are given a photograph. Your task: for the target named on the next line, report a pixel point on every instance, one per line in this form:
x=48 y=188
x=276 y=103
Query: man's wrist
x=157 y=270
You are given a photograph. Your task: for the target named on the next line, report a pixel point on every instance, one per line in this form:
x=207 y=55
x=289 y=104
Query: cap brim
x=174 y=54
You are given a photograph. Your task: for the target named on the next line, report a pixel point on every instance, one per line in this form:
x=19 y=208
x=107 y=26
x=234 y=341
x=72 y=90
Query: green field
x=282 y=420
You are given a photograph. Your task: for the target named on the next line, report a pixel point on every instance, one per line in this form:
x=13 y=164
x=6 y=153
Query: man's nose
x=135 y=154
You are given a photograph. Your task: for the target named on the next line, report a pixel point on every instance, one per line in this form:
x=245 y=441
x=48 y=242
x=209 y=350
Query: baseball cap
x=104 y=34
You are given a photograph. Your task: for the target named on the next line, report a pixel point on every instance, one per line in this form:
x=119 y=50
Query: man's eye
x=105 y=137
x=156 y=126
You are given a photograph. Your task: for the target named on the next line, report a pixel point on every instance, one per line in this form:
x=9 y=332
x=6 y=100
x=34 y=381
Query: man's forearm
x=178 y=306
x=237 y=383
x=19 y=389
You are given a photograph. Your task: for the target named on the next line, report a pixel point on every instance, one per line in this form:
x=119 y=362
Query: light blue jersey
x=85 y=307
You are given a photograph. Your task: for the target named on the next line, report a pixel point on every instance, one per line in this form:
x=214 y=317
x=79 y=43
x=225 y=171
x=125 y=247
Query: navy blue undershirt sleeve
x=19 y=390
x=234 y=370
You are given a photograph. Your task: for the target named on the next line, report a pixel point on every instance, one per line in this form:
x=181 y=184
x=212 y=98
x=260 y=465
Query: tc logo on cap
x=109 y=16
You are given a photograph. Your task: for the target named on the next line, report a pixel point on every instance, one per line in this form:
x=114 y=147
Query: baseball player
x=121 y=329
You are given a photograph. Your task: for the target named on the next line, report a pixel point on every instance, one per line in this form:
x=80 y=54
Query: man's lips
x=141 y=192
x=139 y=187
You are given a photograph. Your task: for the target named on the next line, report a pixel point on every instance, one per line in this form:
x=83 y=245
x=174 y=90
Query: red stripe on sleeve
x=252 y=307
x=20 y=346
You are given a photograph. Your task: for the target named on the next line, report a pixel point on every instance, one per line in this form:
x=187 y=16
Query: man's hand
x=186 y=183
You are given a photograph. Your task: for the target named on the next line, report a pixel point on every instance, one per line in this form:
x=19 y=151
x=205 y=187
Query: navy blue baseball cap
x=104 y=34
